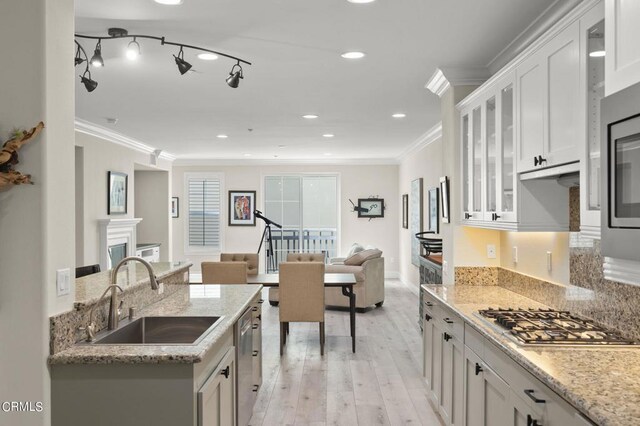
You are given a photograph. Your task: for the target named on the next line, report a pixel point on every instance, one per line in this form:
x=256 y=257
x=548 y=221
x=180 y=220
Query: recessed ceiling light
x=353 y=55
x=247 y=155
x=361 y=1
x=169 y=2
x=282 y=146
x=207 y=56
x=399 y=115
x=328 y=135
x=597 y=53
x=222 y=136
x=310 y=116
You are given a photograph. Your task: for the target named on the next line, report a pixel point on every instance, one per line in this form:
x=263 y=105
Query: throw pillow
x=361 y=257
x=355 y=248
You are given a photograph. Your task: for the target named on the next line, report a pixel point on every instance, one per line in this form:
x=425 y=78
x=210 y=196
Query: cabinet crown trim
x=445 y=77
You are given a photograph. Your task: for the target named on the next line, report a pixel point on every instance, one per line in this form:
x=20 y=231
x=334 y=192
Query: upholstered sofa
x=366 y=265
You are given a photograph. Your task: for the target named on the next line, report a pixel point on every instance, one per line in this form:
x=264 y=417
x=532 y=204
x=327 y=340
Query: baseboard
x=392 y=275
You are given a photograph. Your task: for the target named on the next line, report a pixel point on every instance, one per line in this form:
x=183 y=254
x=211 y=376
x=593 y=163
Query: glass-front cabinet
x=488 y=156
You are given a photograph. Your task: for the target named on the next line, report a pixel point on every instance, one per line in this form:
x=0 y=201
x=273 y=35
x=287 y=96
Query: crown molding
x=185 y=162
x=427 y=138
x=92 y=129
x=445 y=77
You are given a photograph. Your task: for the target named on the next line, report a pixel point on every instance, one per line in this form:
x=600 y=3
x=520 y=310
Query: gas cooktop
x=551 y=327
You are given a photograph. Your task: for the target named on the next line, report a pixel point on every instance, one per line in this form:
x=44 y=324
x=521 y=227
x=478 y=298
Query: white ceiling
x=295 y=47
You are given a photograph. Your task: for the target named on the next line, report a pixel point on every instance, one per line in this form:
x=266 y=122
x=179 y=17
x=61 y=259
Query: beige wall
x=532 y=254
x=425 y=163
x=153 y=205
x=36 y=221
x=356 y=181
x=101 y=156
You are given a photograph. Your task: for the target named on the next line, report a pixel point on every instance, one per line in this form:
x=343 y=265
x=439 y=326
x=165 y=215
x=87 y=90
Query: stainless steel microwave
x=620 y=150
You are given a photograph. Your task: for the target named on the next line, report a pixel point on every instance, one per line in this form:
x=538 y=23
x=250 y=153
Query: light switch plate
x=63 y=282
x=491 y=251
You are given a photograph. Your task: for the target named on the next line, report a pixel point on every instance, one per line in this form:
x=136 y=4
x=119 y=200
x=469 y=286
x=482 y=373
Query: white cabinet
x=217 y=396
x=452 y=367
x=486 y=395
x=548 y=103
x=622 y=61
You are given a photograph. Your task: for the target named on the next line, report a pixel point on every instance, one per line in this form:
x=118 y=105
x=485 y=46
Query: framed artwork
x=444 y=194
x=116 y=193
x=242 y=205
x=405 y=211
x=433 y=210
x=175 y=207
x=370 y=207
x=416 y=219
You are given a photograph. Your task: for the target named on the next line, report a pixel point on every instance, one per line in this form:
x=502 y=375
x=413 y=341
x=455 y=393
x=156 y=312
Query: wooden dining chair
x=301 y=297
x=224 y=272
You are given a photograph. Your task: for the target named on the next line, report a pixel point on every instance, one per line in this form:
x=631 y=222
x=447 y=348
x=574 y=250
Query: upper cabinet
x=548 y=92
x=534 y=115
x=622 y=62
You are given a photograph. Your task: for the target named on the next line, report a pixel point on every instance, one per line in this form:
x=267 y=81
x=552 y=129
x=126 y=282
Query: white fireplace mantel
x=116 y=231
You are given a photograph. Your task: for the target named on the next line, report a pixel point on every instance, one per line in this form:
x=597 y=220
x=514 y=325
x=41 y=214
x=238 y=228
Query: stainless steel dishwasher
x=244 y=343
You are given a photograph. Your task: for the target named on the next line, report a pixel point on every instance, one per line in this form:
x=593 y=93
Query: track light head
x=89 y=84
x=133 y=50
x=183 y=66
x=96 y=59
x=78 y=59
x=234 y=76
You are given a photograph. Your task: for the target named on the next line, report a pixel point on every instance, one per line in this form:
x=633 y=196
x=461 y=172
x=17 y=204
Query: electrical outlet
x=514 y=255
x=549 y=261
x=491 y=251
x=63 y=282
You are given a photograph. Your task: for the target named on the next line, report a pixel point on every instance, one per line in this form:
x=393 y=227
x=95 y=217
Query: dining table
x=343 y=281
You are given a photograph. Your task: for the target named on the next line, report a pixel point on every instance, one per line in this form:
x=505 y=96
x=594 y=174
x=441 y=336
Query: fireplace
x=117 y=240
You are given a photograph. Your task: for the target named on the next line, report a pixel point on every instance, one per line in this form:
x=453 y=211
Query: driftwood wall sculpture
x=9 y=158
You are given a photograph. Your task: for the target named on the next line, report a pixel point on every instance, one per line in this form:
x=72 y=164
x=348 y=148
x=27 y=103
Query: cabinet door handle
x=255 y=353
x=256 y=387
x=532 y=422
x=495 y=216
x=261 y=301
x=529 y=393
x=478 y=368
x=446 y=337
x=225 y=372
x=429 y=304
x=535 y=161
x=255 y=308
x=541 y=160
x=427 y=317
x=467 y=215
x=448 y=320
x=259 y=317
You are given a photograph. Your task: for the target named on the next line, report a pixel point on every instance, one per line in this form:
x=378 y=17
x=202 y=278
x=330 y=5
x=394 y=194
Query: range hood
x=567 y=174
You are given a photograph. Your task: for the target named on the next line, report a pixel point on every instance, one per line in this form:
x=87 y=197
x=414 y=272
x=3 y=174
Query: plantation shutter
x=204 y=212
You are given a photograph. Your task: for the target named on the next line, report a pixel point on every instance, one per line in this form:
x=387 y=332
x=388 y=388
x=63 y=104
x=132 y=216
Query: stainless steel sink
x=161 y=331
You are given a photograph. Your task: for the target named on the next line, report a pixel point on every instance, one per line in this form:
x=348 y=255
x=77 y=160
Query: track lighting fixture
x=234 y=76
x=96 y=59
x=89 y=84
x=183 y=66
x=133 y=52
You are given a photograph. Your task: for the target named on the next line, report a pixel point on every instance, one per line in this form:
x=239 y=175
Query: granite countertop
x=133 y=275
x=603 y=383
x=228 y=301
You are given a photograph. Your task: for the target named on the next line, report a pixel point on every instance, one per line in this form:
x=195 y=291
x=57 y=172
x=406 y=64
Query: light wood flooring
x=381 y=384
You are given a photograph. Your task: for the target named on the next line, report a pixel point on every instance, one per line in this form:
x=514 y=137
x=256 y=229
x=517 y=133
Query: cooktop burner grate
x=548 y=326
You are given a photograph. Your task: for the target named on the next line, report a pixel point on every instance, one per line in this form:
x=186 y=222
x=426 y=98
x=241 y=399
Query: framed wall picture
x=416 y=219
x=433 y=211
x=116 y=193
x=444 y=194
x=242 y=204
x=370 y=207
x=175 y=207
x=405 y=211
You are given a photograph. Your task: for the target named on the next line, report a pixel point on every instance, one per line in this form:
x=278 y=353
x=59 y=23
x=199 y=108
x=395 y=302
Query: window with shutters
x=203 y=233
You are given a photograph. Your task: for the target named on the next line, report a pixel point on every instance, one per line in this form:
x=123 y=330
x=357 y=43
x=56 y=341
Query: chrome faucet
x=114 y=307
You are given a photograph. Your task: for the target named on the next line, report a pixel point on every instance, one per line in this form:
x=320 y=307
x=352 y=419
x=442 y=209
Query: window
x=307 y=208
x=204 y=208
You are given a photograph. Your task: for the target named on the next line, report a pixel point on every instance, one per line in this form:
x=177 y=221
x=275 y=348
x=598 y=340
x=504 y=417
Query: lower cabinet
x=217 y=396
x=471 y=382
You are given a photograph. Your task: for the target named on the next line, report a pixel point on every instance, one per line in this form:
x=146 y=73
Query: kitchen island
x=602 y=383
x=169 y=384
